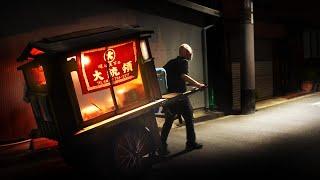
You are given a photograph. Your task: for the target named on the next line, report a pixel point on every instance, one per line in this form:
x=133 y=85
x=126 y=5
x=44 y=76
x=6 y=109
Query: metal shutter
x=236 y=91
x=264 y=80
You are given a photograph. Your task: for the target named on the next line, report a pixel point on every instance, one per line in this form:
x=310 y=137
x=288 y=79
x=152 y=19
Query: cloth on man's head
x=185 y=51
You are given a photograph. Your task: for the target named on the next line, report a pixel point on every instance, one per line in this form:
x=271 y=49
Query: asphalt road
x=279 y=141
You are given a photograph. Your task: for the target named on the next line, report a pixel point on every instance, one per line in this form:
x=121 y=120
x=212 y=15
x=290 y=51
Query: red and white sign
x=119 y=59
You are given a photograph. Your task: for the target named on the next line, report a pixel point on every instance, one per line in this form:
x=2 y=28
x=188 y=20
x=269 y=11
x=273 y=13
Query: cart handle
x=195 y=89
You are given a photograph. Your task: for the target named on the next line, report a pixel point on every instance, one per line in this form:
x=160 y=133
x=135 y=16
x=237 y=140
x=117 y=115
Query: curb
x=285 y=100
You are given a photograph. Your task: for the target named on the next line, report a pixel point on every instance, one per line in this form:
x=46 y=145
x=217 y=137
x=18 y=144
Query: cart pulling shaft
x=173 y=97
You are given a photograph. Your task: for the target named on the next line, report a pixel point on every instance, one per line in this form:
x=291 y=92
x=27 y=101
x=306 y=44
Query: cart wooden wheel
x=133 y=150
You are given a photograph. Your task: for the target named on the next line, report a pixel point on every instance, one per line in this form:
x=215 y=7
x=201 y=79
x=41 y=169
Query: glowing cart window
x=36 y=78
x=108 y=78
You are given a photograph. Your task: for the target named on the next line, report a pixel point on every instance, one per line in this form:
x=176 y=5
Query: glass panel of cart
x=108 y=79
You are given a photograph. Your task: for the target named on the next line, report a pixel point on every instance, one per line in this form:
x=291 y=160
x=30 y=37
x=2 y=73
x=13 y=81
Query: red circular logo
x=109 y=55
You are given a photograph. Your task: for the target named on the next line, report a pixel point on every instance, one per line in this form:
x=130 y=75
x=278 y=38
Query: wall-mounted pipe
x=205 y=63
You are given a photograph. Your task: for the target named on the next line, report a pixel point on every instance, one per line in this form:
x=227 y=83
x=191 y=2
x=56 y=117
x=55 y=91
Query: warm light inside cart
x=92 y=104
x=37 y=76
x=35 y=52
x=130 y=92
x=85 y=60
x=144 y=50
x=90 y=111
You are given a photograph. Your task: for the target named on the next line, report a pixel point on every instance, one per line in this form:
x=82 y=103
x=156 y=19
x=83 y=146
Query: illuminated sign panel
x=119 y=59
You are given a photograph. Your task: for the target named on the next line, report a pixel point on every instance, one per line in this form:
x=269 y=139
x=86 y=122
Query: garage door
x=264 y=82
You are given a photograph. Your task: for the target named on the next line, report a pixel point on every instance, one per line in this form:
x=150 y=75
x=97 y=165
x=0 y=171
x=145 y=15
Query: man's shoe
x=195 y=145
x=163 y=152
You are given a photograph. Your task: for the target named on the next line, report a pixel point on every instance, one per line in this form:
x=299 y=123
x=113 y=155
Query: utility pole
x=248 y=100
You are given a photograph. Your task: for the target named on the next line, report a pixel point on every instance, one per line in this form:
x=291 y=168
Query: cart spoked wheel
x=133 y=150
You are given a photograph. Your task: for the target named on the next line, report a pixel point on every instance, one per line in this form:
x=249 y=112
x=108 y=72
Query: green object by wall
x=212 y=100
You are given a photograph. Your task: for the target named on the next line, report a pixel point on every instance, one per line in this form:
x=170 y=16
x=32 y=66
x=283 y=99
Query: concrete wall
x=169 y=35
x=16 y=116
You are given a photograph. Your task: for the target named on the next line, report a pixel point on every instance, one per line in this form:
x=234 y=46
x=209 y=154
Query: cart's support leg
x=34 y=133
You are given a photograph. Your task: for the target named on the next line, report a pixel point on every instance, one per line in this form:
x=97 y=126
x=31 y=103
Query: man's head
x=185 y=51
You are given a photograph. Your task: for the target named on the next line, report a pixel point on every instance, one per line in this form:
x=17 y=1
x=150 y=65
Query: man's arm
x=191 y=81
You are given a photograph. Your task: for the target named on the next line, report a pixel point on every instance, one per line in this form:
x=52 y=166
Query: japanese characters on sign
x=119 y=59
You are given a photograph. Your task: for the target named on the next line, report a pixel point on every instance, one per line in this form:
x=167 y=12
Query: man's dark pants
x=184 y=108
